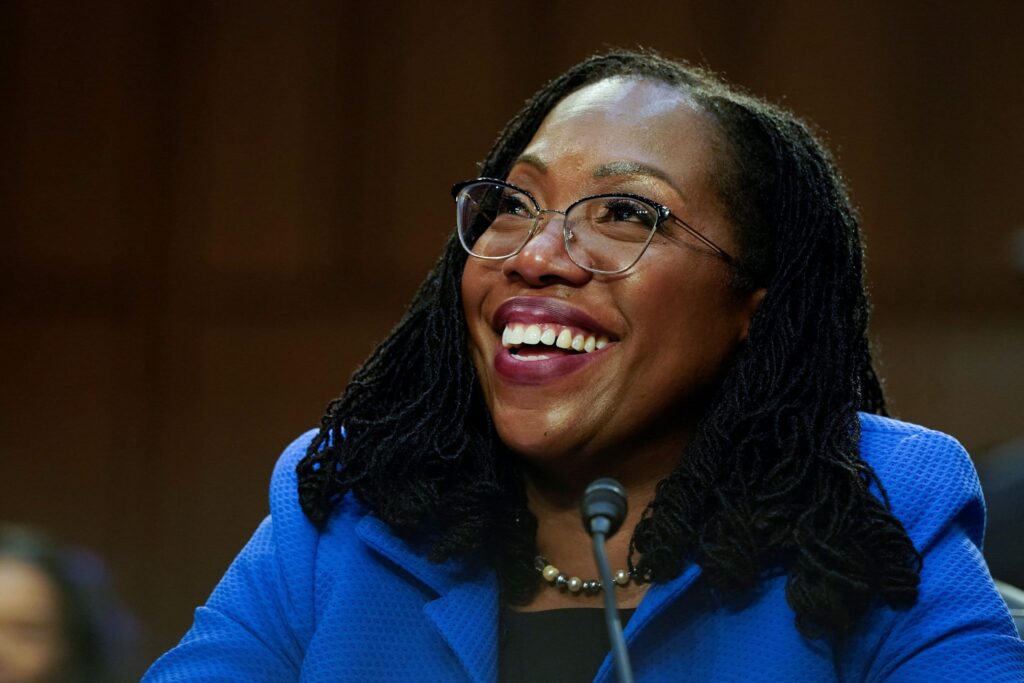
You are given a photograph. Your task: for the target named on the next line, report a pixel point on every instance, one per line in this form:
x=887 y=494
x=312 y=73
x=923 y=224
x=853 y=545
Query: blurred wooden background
x=211 y=211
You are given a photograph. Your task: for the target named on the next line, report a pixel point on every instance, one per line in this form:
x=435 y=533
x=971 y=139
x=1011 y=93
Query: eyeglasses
x=605 y=233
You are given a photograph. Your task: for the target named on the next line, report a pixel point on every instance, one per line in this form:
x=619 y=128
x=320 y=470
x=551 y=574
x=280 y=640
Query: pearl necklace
x=575 y=584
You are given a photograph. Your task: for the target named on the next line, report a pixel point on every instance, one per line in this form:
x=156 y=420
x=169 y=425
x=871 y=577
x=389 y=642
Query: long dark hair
x=773 y=477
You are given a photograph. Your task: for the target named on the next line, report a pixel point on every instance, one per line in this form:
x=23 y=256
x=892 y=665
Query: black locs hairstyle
x=773 y=477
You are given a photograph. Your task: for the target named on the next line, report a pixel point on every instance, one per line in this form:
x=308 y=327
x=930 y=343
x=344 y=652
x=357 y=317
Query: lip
x=537 y=309
x=516 y=371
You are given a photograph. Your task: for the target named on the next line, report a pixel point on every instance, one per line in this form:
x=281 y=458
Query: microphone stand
x=623 y=669
x=603 y=510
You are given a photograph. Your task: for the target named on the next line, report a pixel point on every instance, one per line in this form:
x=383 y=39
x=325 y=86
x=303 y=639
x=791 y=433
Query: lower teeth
x=532 y=353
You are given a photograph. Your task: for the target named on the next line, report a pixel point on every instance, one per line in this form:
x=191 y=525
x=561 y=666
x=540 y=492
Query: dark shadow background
x=210 y=212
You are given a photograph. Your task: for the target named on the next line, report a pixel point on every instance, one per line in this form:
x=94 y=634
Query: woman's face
x=672 y=321
x=31 y=637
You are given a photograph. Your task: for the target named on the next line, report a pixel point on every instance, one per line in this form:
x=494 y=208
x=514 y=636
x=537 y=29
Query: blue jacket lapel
x=466 y=609
x=658 y=597
x=467 y=617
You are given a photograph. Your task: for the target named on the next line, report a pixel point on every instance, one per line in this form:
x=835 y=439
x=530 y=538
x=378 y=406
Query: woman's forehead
x=625 y=121
x=625 y=100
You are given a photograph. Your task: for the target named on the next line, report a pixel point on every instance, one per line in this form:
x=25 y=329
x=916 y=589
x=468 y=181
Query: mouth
x=539 y=341
x=544 y=339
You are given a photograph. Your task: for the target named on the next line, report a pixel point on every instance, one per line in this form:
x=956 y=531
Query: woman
x=58 y=622
x=658 y=279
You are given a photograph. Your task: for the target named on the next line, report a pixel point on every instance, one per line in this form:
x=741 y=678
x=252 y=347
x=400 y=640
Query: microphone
x=603 y=510
x=604 y=507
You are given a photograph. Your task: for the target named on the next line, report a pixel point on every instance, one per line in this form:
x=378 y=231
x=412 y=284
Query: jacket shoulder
x=284 y=483
x=927 y=476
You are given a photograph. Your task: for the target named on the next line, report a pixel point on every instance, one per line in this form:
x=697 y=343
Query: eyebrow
x=614 y=168
x=532 y=160
x=617 y=168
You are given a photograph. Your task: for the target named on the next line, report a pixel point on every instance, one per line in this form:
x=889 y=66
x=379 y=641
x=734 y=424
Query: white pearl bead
x=550 y=573
x=575 y=584
x=622 y=577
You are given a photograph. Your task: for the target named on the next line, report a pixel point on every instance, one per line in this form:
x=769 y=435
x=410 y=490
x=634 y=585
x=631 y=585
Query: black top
x=558 y=645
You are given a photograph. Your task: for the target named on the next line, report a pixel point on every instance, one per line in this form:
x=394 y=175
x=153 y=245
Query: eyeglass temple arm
x=714 y=247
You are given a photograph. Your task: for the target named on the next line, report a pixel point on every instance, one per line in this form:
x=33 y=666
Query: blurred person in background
x=1002 y=476
x=58 y=620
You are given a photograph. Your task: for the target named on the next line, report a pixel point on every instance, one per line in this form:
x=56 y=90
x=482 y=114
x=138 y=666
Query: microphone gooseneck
x=603 y=510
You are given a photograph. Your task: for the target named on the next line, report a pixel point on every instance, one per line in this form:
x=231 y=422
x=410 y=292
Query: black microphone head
x=604 y=498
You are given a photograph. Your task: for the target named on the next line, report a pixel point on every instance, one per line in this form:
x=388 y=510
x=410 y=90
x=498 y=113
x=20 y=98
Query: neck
x=555 y=487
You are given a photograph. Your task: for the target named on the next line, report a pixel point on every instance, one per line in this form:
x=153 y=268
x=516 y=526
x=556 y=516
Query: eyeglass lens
x=602 y=233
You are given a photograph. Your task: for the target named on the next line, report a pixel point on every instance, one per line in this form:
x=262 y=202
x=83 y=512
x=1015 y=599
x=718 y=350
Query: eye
x=626 y=210
x=618 y=219
x=512 y=203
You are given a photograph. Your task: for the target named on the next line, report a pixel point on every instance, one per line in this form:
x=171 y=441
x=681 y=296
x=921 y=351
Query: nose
x=544 y=261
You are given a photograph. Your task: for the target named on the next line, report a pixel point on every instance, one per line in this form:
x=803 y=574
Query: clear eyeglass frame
x=460 y=193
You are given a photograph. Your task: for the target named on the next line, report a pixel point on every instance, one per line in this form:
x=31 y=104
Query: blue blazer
x=357 y=603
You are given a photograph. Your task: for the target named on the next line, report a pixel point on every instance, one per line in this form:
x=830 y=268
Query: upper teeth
x=562 y=337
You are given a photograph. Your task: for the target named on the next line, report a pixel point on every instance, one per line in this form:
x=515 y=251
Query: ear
x=748 y=307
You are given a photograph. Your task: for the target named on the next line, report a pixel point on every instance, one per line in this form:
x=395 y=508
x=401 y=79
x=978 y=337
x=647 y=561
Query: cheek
x=478 y=280
x=474 y=288
x=672 y=298
x=468 y=286
x=691 y=324
x=472 y=291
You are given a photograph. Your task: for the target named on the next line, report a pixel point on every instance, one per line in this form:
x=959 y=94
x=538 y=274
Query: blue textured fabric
x=356 y=603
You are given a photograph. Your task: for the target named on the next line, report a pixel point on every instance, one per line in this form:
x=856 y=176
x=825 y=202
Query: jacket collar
x=659 y=596
x=465 y=612
x=654 y=602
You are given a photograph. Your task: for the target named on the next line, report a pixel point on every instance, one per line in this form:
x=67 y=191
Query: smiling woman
x=658 y=278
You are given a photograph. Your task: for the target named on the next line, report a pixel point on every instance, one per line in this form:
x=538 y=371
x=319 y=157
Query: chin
x=531 y=445
x=531 y=439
